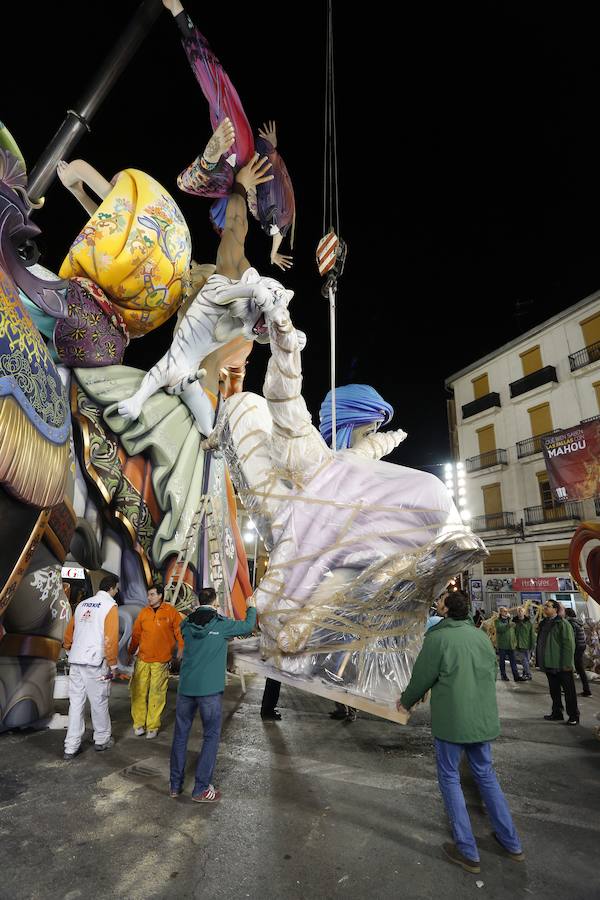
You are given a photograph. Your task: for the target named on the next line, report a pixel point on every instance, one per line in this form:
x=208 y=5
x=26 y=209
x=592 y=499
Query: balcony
x=533 y=444
x=481 y=404
x=536 y=379
x=485 y=460
x=591 y=419
x=540 y=515
x=497 y=522
x=584 y=357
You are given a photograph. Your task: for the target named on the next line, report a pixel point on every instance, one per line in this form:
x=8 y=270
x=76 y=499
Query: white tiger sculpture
x=223 y=309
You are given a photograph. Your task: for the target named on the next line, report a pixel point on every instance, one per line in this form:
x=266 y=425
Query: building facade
x=546 y=380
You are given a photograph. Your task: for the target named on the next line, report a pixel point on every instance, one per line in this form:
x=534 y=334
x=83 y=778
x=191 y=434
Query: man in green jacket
x=506 y=644
x=524 y=640
x=201 y=685
x=555 y=652
x=458 y=665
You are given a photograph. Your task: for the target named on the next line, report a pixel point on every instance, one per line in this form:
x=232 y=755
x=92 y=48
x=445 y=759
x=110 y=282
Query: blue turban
x=355 y=404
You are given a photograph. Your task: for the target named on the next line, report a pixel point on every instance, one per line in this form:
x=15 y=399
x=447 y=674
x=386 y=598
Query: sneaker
x=210 y=795
x=517 y=857
x=554 y=718
x=573 y=722
x=504 y=677
x=106 y=746
x=272 y=716
x=455 y=856
x=351 y=715
x=69 y=756
x=585 y=694
x=338 y=714
x=175 y=792
x=151 y=734
x=139 y=731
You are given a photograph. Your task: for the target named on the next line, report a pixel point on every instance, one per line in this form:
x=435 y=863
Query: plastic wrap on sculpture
x=137 y=249
x=358 y=547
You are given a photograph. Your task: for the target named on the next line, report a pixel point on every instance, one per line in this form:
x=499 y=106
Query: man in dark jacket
x=555 y=653
x=201 y=685
x=580 y=645
x=524 y=640
x=458 y=664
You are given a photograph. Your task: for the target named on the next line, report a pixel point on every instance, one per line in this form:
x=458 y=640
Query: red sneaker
x=210 y=795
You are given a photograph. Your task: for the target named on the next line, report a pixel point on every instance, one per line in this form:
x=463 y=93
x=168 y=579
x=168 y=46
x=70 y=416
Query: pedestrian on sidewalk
x=580 y=648
x=457 y=664
x=92 y=642
x=506 y=643
x=524 y=641
x=555 y=652
x=201 y=685
x=155 y=633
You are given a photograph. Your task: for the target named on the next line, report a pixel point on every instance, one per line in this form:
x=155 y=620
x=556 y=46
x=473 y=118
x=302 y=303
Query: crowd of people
x=457 y=666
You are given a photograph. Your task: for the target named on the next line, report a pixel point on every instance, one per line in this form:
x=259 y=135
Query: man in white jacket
x=92 y=641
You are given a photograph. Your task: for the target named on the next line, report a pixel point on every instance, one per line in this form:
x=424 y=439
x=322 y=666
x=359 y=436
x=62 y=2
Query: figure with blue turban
x=360 y=412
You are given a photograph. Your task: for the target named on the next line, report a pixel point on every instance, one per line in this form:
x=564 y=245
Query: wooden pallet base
x=251 y=663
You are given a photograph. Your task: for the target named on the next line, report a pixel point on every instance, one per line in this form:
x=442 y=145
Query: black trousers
x=580 y=669
x=556 y=680
x=270 y=695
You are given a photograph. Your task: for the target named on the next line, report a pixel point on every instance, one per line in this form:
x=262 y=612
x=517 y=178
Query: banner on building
x=572 y=460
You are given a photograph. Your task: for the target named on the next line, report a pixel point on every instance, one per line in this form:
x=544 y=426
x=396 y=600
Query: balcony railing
x=479 y=405
x=533 y=444
x=540 y=515
x=485 y=460
x=584 y=357
x=536 y=379
x=496 y=522
x=591 y=419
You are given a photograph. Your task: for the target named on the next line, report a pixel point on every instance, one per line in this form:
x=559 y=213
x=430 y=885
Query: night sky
x=468 y=144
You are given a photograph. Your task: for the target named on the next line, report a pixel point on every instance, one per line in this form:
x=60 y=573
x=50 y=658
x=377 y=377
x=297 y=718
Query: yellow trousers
x=148 y=689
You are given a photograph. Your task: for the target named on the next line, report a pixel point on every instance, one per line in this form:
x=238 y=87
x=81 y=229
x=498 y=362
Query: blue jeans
x=448 y=757
x=211 y=710
x=523 y=657
x=509 y=655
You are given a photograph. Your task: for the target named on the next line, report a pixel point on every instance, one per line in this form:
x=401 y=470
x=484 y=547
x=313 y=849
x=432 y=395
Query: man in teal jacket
x=201 y=684
x=555 y=652
x=458 y=665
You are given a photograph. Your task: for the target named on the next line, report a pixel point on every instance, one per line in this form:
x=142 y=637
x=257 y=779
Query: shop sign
x=536 y=584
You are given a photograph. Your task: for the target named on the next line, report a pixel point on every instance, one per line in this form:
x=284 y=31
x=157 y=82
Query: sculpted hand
x=254 y=172
x=220 y=142
x=68 y=177
x=284 y=262
x=269 y=133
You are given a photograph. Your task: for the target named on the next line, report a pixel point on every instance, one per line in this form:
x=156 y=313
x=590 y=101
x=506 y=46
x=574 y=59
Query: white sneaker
x=150 y=735
x=139 y=731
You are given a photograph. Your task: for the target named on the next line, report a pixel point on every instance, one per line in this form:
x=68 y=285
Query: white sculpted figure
x=357 y=546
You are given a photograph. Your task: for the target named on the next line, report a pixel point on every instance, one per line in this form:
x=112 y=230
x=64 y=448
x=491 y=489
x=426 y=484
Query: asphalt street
x=311 y=808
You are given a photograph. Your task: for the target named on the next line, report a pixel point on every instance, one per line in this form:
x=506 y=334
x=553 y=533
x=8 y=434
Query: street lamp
x=456 y=482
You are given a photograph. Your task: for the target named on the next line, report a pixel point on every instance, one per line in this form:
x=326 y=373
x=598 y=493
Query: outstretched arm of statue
x=378 y=445
x=231 y=256
x=75 y=175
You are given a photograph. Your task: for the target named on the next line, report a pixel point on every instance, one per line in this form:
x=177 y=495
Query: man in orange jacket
x=155 y=633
